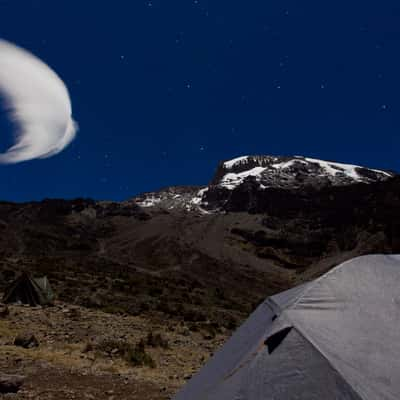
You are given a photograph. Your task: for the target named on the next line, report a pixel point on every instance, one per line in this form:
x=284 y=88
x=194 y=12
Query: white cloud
x=37 y=102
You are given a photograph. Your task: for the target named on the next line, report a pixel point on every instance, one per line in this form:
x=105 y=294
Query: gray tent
x=337 y=337
x=28 y=290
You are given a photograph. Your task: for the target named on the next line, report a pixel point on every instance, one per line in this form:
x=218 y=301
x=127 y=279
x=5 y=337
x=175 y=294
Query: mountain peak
x=262 y=172
x=292 y=172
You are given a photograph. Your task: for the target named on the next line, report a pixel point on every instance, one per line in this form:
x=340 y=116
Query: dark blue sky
x=163 y=90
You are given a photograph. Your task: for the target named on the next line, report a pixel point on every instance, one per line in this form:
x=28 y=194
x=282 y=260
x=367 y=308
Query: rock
x=10 y=383
x=4 y=311
x=26 y=340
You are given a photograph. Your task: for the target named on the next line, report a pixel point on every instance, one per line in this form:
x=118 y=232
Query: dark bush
x=156 y=340
x=137 y=356
x=111 y=309
x=193 y=315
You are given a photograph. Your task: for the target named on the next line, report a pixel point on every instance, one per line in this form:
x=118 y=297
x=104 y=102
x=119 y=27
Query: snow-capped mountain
x=293 y=172
x=263 y=172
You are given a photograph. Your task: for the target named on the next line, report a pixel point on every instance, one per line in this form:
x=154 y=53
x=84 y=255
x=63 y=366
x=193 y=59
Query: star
x=188 y=86
x=384 y=107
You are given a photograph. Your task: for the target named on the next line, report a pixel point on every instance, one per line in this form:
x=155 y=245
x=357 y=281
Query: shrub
x=209 y=332
x=109 y=345
x=193 y=315
x=166 y=307
x=112 y=309
x=231 y=323
x=156 y=340
x=137 y=356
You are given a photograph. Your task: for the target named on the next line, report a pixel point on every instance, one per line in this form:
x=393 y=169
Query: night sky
x=163 y=90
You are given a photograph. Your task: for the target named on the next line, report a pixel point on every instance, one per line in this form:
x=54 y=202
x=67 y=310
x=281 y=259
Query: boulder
x=10 y=383
x=26 y=340
x=4 y=311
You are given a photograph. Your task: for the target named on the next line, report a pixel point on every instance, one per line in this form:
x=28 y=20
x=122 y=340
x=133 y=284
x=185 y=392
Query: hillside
x=202 y=258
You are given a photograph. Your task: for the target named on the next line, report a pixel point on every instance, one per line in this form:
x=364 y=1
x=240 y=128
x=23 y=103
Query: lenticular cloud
x=38 y=102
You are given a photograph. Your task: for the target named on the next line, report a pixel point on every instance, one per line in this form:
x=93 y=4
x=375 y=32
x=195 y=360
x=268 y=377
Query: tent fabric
x=45 y=287
x=27 y=290
x=337 y=337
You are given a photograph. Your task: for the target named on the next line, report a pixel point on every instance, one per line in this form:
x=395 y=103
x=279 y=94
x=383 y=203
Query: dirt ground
x=69 y=363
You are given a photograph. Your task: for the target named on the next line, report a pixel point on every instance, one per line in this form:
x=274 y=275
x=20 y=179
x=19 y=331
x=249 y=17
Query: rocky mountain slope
x=203 y=257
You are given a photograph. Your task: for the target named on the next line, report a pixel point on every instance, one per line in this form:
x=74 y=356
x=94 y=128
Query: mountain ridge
x=266 y=172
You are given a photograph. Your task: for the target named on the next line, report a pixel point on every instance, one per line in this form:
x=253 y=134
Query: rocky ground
x=80 y=353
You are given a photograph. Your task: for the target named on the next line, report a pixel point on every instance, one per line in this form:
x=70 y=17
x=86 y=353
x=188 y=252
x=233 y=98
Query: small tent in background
x=337 y=337
x=28 y=290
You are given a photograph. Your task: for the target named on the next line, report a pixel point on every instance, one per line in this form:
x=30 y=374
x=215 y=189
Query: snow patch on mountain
x=150 y=201
x=231 y=180
x=235 y=161
x=349 y=169
x=175 y=197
